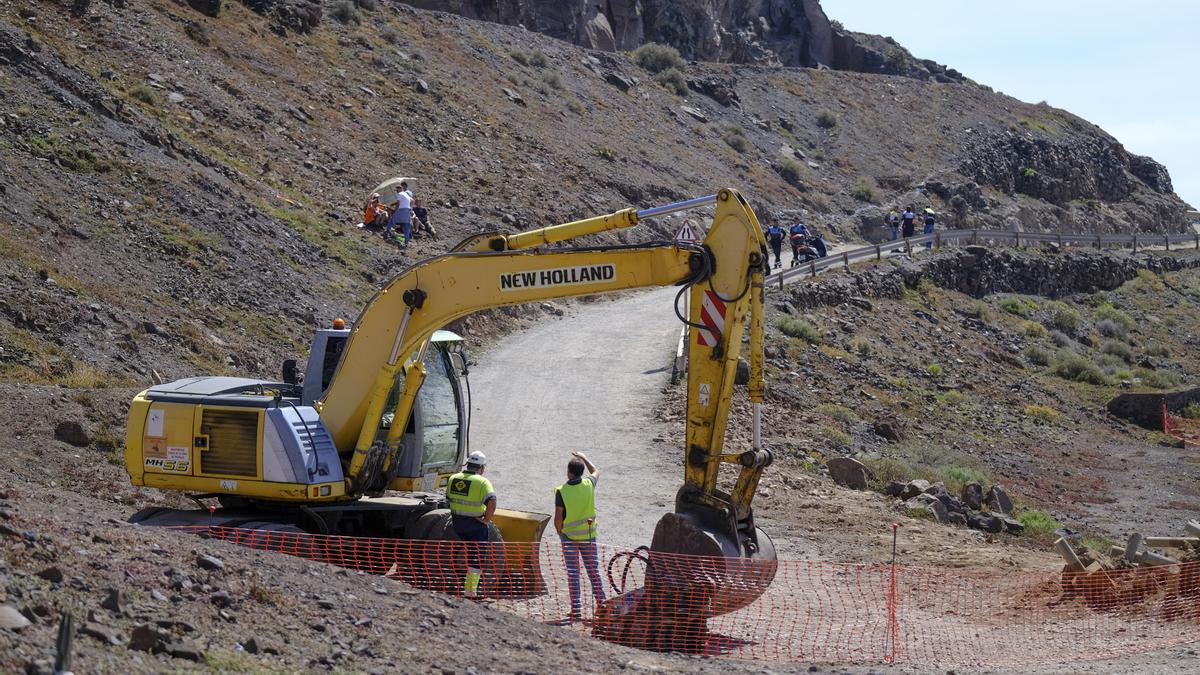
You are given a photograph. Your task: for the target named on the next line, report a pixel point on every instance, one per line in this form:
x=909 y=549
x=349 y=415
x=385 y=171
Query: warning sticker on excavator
x=561 y=276
x=705 y=393
x=712 y=316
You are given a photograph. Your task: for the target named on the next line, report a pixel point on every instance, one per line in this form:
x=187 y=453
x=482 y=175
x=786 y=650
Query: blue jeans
x=590 y=553
x=895 y=233
x=928 y=230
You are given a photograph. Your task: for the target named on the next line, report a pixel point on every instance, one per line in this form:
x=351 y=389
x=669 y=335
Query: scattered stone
x=175 y=97
x=619 y=81
x=985 y=522
x=894 y=489
x=957 y=518
x=101 y=632
x=890 y=430
x=513 y=96
x=148 y=638
x=848 y=472
x=72 y=432
x=914 y=488
x=11 y=619
x=39 y=667
x=158 y=595
x=997 y=500
x=972 y=496
x=187 y=650
x=695 y=113
x=1011 y=524
x=52 y=574
x=209 y=562
x=221 y=598
x=422 y=87
x=114 y=601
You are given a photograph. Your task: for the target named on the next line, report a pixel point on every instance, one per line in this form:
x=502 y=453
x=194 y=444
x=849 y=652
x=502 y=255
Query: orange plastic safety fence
x=789 y=610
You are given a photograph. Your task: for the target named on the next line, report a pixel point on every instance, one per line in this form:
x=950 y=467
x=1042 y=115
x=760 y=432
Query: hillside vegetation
x=180 y=190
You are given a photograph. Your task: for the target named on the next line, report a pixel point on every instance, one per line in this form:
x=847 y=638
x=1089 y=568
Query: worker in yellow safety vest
x=472 y=506
x=575 y=520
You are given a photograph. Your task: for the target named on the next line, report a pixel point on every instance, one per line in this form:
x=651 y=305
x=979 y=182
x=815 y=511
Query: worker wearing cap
x=472 y=505
x=930 y=223
x=575 y=520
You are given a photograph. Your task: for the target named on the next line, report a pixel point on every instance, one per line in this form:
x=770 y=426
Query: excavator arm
x=722 y=276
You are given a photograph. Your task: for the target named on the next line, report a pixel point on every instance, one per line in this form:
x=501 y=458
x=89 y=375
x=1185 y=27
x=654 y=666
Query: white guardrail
x=938 y=239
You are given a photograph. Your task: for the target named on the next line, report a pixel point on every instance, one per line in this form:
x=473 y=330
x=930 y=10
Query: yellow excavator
x=363 y=444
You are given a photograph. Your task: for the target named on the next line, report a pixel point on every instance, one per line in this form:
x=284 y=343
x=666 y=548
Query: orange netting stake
x=893 y=623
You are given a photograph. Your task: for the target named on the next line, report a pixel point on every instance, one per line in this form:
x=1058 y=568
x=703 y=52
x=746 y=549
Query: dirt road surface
x=588 y=381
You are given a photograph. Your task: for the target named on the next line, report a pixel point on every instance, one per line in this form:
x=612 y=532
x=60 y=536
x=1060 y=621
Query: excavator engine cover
x=694 y=571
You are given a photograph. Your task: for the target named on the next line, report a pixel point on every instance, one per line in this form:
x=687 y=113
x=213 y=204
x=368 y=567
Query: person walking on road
x=893 y=223
x=930 y=222
x=775 y=239
x=575 y=521
x=907 y=221
x=472 y=507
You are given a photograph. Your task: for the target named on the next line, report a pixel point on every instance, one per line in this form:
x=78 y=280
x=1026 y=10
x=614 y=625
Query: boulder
x=998 y=501
x=101 y=632
x=958 y=518
x=972 y=496
x=890 y=430
x=72 y=432
x=11 y=619
x=848 y=472
x=985 y=522
x=894 y=489
x=209 y=562
x=148 y=638
x=1011 y=525
x=914 y=488
x=619 y=81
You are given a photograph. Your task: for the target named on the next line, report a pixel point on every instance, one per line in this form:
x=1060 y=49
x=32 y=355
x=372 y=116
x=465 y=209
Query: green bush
x=1038 y=523
x=673 y=80
x=606 y=154
x=951 y=398
x=1042 y=412
x=1118 y=349
x=1077 y=368
x=554 y=80
x=1062 y=316
x=1112 y=329
x=936 y=464
x=862 y=346
x=1106 y=312
x=656 y=58
x=1035 y=330
x=837 y=437
x=1039 y=356
x=826 y=120
x=519 y=56
x=790 y=170
x=1017 y=306
x=796 y=327
x=838 y=412
x=574 y=105
x=1191 y=411
x=1061 y=339
x=982 y=311
x=735 y=137
x=538 y=60
x=935 y=370
x=862 y=191
x=144 y=93
x=1159 y=350
x=345 y=12
x=1159 y=379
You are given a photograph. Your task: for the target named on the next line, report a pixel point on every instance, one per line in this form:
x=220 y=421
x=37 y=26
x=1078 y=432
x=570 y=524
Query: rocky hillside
x=181 y=180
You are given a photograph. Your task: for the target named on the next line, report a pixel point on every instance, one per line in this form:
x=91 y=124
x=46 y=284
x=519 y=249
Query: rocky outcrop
x=775 y=32
x=978 y=271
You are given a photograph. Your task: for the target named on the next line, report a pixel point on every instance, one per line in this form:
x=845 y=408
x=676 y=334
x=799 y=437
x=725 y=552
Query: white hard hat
x=477 y=458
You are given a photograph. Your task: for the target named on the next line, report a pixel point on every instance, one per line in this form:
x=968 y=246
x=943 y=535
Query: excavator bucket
x=694 y=571
x=522 y=533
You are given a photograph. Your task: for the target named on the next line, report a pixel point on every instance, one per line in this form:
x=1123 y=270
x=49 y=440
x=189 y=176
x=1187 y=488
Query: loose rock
x=848 y=472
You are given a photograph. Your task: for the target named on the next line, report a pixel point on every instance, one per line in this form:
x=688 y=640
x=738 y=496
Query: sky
x=1133 y=68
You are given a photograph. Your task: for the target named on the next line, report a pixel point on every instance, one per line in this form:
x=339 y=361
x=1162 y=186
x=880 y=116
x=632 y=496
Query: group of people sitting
x=398 y=217
x=806 y=244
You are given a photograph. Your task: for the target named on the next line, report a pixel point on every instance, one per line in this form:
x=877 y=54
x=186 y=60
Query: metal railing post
x=1167 y=241
x=1017 y=239
x=1097 y=242
x=846 y=259
x=878 y=252
x=812 y=268
x=781 y=280
x=974 y=236
x=937 y=240
x=1135 y=243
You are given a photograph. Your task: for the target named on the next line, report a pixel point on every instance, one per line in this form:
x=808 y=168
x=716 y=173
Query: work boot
x=575 y=616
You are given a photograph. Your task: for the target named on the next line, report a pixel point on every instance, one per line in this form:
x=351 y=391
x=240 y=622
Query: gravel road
x=588 y=381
